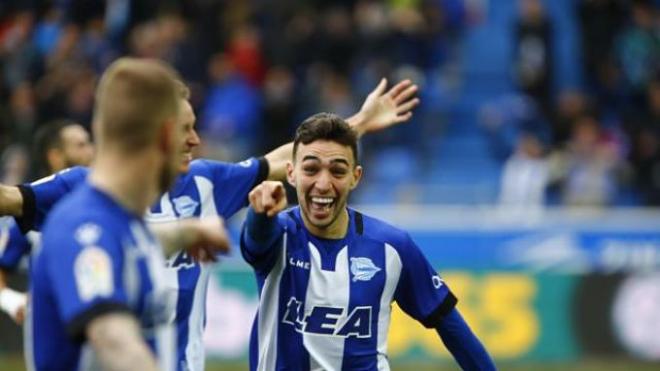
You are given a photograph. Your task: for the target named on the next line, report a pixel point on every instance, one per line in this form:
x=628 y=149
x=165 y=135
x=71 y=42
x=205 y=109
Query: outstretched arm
x=463 y=344
x=261 y=228
x=201 y=238
x=11 y=201
x=379 y=111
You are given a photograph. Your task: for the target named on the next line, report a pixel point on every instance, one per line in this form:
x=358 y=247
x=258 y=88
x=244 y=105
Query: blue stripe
x=361 y=353
x=292 y=354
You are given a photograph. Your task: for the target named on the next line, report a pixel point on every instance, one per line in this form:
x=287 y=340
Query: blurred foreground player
x=98 y=300
x=327 y=275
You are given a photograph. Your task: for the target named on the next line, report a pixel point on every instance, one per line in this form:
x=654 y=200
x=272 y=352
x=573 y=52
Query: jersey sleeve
x=84 y=267
x=260 y=238
x=421 y=293
x=40 y=196
x=233 y=182
x=13 y=244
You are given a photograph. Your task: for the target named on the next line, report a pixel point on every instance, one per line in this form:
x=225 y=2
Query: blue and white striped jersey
x=326 y=304
x=96 y=258
x=209 y=188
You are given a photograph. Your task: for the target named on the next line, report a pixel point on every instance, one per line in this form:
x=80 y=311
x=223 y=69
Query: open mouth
x=321 y=205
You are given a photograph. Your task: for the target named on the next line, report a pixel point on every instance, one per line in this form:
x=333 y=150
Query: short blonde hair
x=133 y=100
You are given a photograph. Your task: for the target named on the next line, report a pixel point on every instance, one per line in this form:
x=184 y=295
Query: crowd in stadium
x=260 y=67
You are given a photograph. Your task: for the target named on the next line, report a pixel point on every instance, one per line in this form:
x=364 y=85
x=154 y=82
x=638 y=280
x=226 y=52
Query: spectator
x=639 y=48
x=525 y=176
x=534 y=55
x=589 y=166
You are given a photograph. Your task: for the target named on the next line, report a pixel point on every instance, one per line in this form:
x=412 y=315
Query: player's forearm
x=260 y=232
x=11 y=201
x=463 y=344
x=118 y=345
x=174 y=236
x=277 y=160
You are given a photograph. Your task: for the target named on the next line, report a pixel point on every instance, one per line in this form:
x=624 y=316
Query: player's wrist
x=357 y=122
x=11 y=301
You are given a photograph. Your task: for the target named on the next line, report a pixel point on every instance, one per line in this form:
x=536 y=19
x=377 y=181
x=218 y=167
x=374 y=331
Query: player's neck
x=335 y=231
x=116 y=176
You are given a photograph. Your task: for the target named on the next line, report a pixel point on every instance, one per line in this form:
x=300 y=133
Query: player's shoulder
x=73 y=175
x=380 y=230
x=205 y=165
x=83 y=207
x=70 y=176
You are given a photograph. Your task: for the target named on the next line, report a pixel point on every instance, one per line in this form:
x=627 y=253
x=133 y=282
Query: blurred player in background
x=205 y=188
x=327 y=275
x=60 y=145
x=98 y=296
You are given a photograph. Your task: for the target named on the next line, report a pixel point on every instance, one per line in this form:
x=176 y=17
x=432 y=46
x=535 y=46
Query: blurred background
x=529 y=174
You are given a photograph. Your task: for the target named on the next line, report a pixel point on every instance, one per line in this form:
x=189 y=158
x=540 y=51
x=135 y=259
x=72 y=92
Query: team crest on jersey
x=185 y=206
x=363 y=269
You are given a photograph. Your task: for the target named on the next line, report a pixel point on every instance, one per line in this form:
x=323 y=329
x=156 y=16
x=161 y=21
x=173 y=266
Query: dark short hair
x=326 y=126
x=47 y=137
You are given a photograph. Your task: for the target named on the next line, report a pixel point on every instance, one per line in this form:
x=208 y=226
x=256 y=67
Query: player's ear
x=357 y=175
x=290 y=176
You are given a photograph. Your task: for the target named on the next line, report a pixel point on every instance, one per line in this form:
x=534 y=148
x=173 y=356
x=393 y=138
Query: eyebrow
x=314 y=158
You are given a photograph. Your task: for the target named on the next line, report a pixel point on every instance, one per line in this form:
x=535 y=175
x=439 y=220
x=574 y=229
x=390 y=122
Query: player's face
x=77 y=148
x=191 y=139
x=173 y=152
x=324 y=173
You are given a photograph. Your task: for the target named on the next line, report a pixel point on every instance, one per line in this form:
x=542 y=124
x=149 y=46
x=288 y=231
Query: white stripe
x=393 y=268
x=166 y=346
x=195 y=354
x=326 y=288
x=268 y=314
x=28 y=339
x=165 y=335
x=195 y=345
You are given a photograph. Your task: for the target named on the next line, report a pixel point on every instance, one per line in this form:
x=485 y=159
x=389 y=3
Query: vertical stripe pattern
x=268 y=315
x=326 y=289
x=393 y=271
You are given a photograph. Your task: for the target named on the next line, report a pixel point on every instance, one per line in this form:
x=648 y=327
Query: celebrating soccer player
x=327 y=275
x=204 y=188
x=61 y=144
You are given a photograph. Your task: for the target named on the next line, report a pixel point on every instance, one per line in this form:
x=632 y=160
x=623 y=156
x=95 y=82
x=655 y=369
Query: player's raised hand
x=207 y=237
x=383 y=109
x=268 y=197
